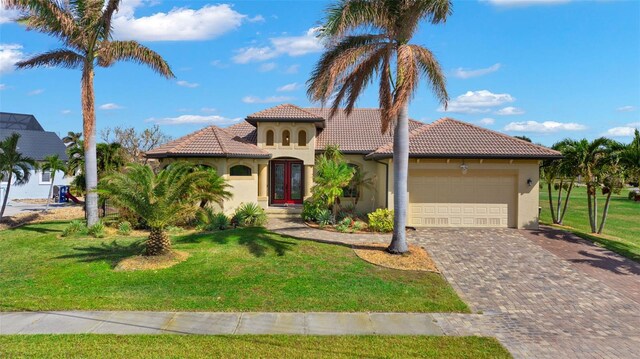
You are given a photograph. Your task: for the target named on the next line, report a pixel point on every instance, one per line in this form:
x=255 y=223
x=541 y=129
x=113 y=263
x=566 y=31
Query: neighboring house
x=36 y=143
x=460 y=175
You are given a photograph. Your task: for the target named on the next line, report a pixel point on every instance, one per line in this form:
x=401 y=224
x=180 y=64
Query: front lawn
x=622 y=229
x=276 y=346
x=235 y=270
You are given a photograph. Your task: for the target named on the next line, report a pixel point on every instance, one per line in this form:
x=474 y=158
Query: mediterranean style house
x=460 y=175
x=36 y=143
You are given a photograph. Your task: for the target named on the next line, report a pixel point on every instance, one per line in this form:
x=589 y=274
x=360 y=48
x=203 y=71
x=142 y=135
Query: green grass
x=174 y=346
x=622 y=230
x=234 y=270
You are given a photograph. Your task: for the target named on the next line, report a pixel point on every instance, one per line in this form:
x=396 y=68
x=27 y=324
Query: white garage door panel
x=462 y=201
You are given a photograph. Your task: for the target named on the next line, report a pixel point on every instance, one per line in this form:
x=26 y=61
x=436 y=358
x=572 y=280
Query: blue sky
x=548 y=69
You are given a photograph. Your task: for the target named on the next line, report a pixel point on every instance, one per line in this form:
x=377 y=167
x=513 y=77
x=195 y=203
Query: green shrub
x=633 y=194
x=75 y=227
x=97 y=230
x=324 y=218
x=124 y=228
x=381 y=220
x=209 y=220
x=344 y=225
x=250 y=215
x=358 y=226
x=311 y=209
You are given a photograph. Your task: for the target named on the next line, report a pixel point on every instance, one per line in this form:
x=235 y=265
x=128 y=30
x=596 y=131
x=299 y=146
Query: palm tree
x=53 y=164
x=170 y=196
x=14 y=164
x=84 y=27
x=366 y=38
x=630 y=157
x=333 y=174
x=72 y=138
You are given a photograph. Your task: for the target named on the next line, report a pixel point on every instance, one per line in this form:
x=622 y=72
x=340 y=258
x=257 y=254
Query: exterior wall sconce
x=529 y=182
x=464 y=168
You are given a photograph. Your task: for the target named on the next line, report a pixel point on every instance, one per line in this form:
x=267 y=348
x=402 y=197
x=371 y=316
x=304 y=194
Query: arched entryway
x=287 y=181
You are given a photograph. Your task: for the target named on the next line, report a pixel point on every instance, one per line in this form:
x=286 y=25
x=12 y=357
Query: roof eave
x=375 y=156
x=201 y=155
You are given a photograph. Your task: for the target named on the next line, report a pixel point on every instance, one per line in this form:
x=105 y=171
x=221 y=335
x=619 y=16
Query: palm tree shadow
x=111 y=253
x=260 y=243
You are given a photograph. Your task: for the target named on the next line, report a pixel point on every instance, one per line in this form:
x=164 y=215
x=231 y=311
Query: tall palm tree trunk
x=6 y=194
x=559 y=202
x=53 y=178
x=400 y=171
x=566 y=202
x=90 y=156
x=158 y=242
x=553 y=214
x=605 y=211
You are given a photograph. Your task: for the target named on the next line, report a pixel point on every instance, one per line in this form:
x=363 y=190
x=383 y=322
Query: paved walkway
x=536 y=303
x=78 y=322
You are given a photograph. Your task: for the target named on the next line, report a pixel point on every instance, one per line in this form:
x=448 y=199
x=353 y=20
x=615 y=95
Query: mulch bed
x=417 y=259
x=152 y=262
x=57 y=214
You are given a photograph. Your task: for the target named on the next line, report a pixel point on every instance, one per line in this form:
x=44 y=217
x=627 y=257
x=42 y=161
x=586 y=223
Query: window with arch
x=302 y=138
x=270 y=138
x=286 y=138
x=240 y=170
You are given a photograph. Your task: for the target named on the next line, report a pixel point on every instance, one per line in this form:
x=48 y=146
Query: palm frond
x=112 y=51
x=56 y=58
x=431 y=69
x=349 y=15
x=48 y=16
x=107 y=16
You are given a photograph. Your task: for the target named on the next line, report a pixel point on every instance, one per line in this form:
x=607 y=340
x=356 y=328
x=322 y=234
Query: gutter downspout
x=386 y=183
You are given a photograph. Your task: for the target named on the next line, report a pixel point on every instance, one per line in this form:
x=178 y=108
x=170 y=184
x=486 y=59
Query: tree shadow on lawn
x=257 y=240
x=111 y=253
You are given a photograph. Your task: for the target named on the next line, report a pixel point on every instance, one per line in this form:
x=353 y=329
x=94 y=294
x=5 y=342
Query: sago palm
x=168 y=197
x=84 y=28
x=53 y=164
x=369 y=39
x=332 y=176
x=15 y=168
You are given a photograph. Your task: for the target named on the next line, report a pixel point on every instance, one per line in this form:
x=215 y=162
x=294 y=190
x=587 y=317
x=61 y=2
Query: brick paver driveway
x=536 y=303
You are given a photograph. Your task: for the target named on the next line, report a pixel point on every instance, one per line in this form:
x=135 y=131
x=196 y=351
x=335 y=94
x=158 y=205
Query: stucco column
x=262 y=181
x=308 y=180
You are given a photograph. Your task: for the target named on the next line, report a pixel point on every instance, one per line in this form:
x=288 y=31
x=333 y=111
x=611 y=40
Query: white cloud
x=285 y=45
x=179 y=24
x=219 y=64
x=35 y=92
x=187 y=84
x=257 y=18
x=510 y=111
x=462 y=73
x=208 y=109
x=7 y=15
x=626 y=109
x=9 y=55
x=288 y=87
x=65 y=112
x=270 y=99
x=487 y=121
x=110 y=106
x=506 y=3
x=543 y=127
x=623 y=131
x=293 y=69
x=477 y=102
x=269 y=66
x=193 y=119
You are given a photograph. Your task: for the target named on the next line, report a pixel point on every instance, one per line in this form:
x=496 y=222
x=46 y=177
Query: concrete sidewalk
x=79 y=322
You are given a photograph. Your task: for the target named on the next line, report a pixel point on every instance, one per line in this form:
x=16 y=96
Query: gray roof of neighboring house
x=34 y=141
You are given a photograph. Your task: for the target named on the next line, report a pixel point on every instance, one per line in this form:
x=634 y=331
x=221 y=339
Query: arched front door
x=287 y=182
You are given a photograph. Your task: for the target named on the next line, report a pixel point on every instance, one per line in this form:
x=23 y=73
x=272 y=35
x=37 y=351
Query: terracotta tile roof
x=284 y=113
x=245 y=131
x=356 y=133
x=211 y=141
x=451 y=138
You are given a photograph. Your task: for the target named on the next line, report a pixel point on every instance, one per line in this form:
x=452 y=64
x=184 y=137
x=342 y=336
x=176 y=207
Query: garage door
x=461 y=201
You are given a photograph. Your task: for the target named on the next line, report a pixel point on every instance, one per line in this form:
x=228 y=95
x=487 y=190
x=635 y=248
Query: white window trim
x=40 y=177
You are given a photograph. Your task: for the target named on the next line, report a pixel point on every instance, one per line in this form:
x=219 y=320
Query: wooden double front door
x=287 y=182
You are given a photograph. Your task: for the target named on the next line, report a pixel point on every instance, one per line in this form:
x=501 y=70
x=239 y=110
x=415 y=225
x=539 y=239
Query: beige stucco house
x=460 y=175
